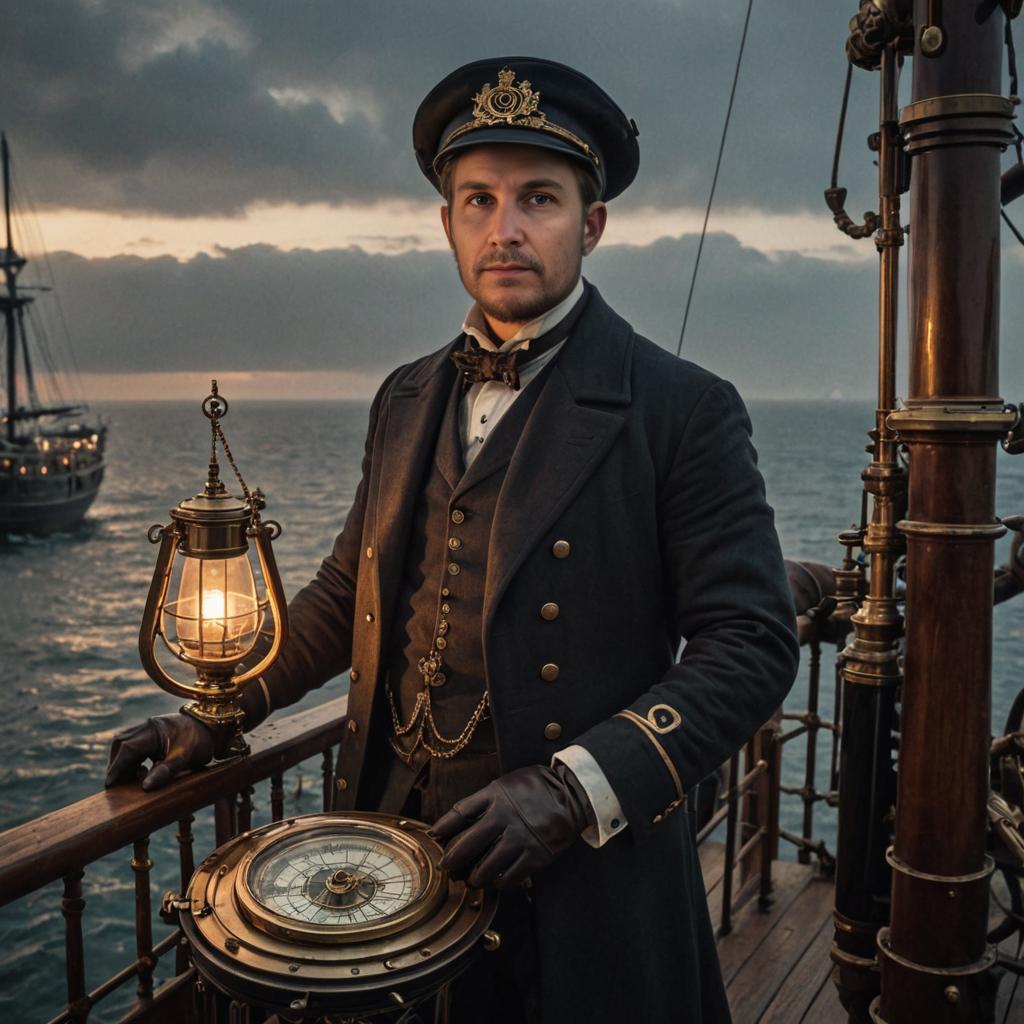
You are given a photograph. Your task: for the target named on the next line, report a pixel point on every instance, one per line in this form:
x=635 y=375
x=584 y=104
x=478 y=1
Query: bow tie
x=479 y=365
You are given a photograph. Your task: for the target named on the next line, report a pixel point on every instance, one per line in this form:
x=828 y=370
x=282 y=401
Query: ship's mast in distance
x=10 y=301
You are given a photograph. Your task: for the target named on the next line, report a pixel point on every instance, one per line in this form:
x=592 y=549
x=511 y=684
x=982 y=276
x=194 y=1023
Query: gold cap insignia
x=515 y=105
x=506 y=102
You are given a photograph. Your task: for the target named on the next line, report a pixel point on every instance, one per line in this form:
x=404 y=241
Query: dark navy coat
x=642 y=462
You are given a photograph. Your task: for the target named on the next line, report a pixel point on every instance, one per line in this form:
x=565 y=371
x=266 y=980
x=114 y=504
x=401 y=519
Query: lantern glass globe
x=217 y=615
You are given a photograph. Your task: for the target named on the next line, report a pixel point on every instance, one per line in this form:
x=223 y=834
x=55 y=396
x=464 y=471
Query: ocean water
x=70 y=608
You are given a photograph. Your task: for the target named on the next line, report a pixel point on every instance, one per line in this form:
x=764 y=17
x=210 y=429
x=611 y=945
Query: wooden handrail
x=49 y=848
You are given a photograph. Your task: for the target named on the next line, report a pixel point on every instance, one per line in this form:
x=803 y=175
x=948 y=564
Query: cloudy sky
x=229 y=186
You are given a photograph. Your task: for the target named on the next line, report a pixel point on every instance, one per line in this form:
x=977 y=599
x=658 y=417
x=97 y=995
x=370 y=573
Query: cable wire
x=714 y=180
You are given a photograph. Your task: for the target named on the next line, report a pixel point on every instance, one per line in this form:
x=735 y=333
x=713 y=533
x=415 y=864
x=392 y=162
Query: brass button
x=441 y=643
x=342 y=784
x=454 y=543
x=454 y=569
x=458 y=516
x=369 y=552
x=353 y=725
x=446 y=608
x=354 y=675
x=445 y=591
x=369 y=616
x=552 y=731
x=549 y=673
x=656 y=819
x=549 y=611
x=561 y=549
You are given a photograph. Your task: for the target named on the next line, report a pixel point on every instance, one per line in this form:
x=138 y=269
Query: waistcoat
x=446 y=568
x=445 y=572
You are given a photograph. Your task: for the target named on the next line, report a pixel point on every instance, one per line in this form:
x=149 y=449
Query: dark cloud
x=791 y=326
x=167 y=106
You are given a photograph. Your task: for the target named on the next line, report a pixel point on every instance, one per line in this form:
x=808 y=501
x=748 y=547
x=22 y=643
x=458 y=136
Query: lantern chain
x=214 y=407
x=253 y=498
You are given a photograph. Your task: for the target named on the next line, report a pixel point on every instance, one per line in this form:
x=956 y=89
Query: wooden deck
x=776 y=964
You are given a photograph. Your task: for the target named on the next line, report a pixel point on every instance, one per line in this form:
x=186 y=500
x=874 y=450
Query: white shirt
x=483 y=405
x=485 y=402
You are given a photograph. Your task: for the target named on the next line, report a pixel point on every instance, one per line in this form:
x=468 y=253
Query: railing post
x=730 y=846
x=244 y=809
x=141 y=865
x=187 y=866
x=769 y=804
x=277 y=796
x=327 y=771
x=751 y=810
x=72 y=905
x=225 y=820
x=811 y=758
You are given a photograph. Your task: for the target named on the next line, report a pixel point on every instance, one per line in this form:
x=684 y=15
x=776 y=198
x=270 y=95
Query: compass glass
x=357 y=879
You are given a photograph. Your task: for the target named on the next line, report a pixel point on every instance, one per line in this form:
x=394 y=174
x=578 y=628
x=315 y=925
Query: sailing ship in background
x=51 y=450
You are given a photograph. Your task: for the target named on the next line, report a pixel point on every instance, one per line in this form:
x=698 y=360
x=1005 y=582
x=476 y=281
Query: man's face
x=518 y=230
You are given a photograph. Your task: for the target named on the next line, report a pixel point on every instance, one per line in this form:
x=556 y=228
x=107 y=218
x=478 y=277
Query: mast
x=11 y=263
x=934 y=956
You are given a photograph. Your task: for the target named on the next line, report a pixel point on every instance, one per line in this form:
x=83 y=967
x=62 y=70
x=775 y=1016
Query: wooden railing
x=62 y=845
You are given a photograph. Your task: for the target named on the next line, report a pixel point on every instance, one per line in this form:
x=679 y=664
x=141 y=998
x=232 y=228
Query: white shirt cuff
x=607 y=809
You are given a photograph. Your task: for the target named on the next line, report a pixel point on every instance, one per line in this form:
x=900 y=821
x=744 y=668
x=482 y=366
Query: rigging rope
x=714 y=180
x=56 y=348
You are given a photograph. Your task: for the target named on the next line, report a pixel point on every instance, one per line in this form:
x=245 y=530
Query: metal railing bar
x=276 y=796
x=742 y=787
x=168 y=989
x=327 y=771
x=186 y=863
x=809 y=718
x=141 y=866
x=747 y=848
x=817 y=847
x=730 y=849
x=125 y=974
x=828 y=795
x=793 y=734
x=72 y=906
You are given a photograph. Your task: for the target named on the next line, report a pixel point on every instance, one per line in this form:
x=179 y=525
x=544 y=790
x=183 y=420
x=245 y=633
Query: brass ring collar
x=905 y=869
x=979 y=966
x=957 y=120
x=953 y=531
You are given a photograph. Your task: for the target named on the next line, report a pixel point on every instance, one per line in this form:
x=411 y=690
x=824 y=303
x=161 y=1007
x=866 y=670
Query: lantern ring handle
x=273 y=528
x=215 y=406
x=155 y=533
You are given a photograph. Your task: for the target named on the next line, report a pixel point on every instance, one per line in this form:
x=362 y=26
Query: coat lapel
x=415 y=408
x=448 y=455
x=568 y=434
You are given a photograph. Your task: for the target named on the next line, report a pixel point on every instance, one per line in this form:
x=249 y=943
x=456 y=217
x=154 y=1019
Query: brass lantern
x=215 y=618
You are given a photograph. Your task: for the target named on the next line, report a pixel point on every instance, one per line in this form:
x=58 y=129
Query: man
x=548 y=505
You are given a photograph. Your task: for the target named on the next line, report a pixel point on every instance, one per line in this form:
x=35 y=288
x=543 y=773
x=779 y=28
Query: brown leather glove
x=174 y=743
x=514 y=826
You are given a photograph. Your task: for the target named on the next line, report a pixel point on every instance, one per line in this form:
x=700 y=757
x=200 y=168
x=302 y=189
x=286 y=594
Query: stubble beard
x=515 y=307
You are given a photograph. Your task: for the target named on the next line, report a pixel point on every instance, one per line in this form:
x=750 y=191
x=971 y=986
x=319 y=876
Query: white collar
x=476 y=325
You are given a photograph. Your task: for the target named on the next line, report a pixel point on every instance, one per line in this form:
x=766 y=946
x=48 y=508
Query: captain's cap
x=532 y=102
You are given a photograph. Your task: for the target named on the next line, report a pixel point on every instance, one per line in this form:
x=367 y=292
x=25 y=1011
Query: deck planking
x=775 y=963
